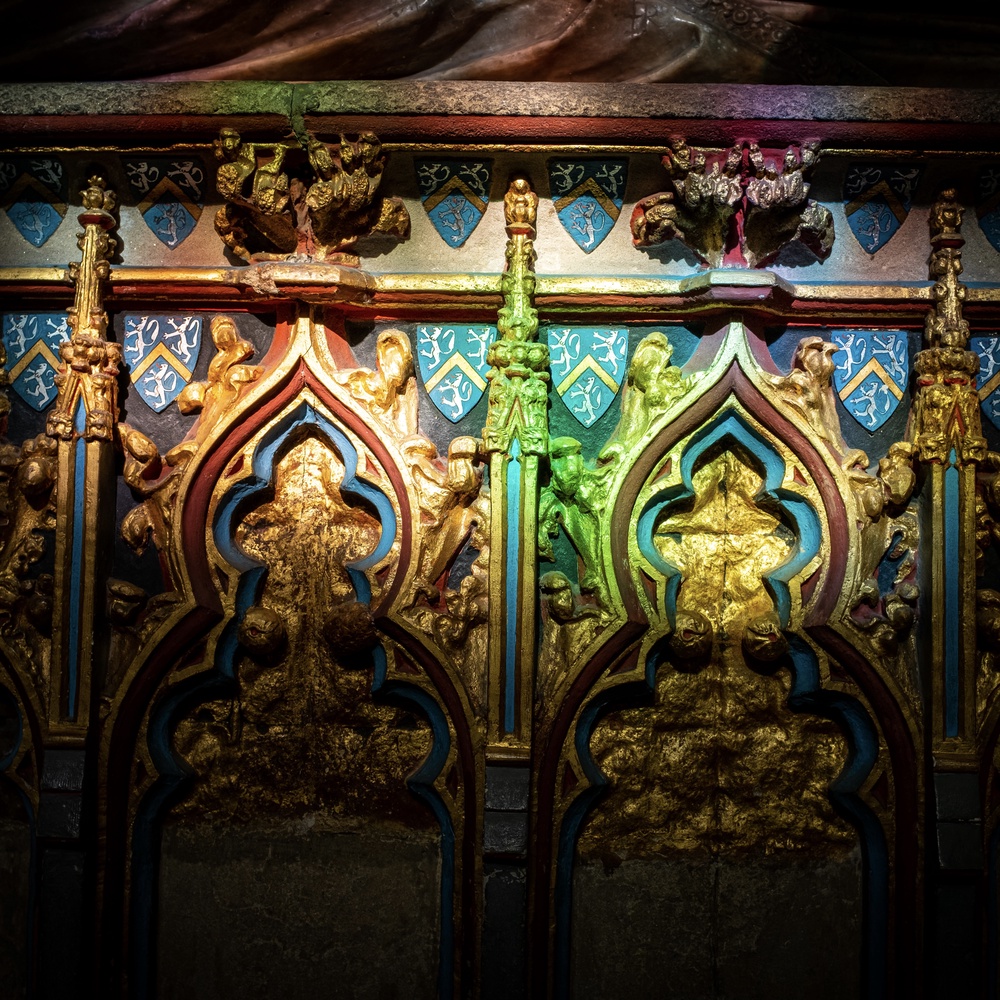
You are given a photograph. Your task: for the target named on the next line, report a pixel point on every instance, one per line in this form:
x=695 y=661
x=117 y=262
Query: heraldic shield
x=170 y=195
x=32 y=342
x=455 y=195
x=878 y=201
x=453 y=365
x=588 y=196
x=33 y=194
x=988 y=349
x=872 y=368
x=588 y=365
x=161 y=352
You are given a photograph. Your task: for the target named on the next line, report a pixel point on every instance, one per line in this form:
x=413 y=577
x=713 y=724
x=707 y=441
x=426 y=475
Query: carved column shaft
x=82 y=420
x=947 y=433
x=515 y=436
x=948 y=438
x=950 y=531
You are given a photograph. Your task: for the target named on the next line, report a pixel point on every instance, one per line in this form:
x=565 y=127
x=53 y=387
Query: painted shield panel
x=872 y=368
x=161 y=352
x=988 y=205
x=988 y=349
x=878 y=198
x=32 y=342
x=170 y=193
x=588 y=365
x=455 y=195
x=33 y=192
x=588 y=196
x=453 y=365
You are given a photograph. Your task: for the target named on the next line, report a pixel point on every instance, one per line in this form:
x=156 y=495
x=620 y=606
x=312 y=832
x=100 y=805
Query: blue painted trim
x=512 y=555
x=238 y=498
x=421 y=783
x=952 y=533
x=862 y=743
x=76 y=574
x=806 y=696
x=645 y=527
x=220 y=682
x=730 y=430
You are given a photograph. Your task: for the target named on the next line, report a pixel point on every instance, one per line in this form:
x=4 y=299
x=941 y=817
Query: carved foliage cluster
x=518 y=394
x=946 y=412
x=89 y=373
x=301 y=717
x=27 y=519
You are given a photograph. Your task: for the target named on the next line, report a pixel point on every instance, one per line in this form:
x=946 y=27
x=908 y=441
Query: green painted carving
x=574 y=500
x=518 y=395
x=579 y=499
x=652 y=387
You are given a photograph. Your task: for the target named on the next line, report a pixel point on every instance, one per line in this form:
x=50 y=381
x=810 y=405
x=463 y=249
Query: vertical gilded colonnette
x=83 y=422
x=515 y=437
x=948 y=438
x=947 y=433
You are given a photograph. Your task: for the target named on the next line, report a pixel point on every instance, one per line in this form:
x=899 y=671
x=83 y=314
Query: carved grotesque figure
x=690 y=643
x=573 y=500
x=763 y=639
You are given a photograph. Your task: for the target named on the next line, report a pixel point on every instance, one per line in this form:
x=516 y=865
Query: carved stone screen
x=496 y=541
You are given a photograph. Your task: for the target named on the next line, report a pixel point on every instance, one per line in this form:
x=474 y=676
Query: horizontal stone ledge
x=443 y=111
x=327 y=282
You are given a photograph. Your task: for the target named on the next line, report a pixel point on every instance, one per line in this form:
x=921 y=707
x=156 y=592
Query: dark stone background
x=739 y=41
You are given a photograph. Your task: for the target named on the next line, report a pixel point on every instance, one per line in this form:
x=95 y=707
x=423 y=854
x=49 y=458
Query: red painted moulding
x=825 y=312
x=234 y=298
x=540 y=130
x=513 y=131
x=134 y=129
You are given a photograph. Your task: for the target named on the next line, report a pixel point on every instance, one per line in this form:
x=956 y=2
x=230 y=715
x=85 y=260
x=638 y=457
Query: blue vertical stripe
x=76 y=564
x=951 y=598
x=513 y=565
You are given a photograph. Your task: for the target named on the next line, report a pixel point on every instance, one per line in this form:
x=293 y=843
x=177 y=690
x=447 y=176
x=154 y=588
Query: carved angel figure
x=567 y=628
x=520 y=204
x=446 y=499
x=945 y=326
